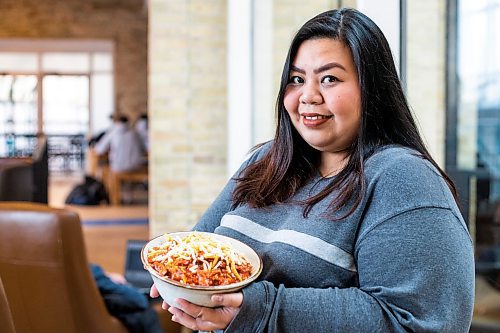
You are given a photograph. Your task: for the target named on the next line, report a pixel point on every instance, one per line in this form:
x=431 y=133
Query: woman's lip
x=314 y=119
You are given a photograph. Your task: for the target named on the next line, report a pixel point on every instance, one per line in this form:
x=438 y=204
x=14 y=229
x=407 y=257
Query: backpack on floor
x=91 y=192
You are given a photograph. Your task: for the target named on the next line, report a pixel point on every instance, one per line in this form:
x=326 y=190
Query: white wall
x=385 y=13
x=239 y=86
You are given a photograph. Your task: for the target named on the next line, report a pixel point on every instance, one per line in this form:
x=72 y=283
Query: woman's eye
x=329 y=79
x=296 y=80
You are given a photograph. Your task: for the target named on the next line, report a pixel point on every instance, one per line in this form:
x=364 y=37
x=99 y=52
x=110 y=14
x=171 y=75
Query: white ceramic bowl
x=170 y=289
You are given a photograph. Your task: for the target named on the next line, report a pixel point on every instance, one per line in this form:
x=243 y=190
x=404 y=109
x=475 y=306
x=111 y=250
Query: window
x=62 y=88
x=473 y=131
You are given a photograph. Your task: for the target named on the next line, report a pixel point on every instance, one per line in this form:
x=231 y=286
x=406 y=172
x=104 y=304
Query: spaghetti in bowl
x=196 y=265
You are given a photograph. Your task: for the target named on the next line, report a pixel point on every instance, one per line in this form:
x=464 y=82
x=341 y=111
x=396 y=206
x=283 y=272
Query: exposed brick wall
x=188 y=109
x=124 y=21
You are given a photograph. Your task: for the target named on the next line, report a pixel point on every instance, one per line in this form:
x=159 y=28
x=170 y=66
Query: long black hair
x=385 y=119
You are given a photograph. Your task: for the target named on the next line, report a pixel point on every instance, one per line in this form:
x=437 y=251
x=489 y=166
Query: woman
x=356 y=224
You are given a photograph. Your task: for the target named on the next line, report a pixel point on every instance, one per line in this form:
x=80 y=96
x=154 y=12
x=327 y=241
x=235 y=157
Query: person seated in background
x=126 y=152
x=95 y=138
x=141 y=126
x=125 y=302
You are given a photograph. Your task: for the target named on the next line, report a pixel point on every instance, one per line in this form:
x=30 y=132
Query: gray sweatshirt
x=403 y=262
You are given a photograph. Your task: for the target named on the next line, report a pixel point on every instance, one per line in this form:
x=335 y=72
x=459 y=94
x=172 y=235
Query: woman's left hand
x=201 y=318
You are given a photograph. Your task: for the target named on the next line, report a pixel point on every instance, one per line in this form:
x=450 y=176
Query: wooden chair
x=45 y=282
x=97 y=165
x=116 y=179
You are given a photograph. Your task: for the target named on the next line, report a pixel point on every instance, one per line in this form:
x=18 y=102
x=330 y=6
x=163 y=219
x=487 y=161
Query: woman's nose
x=310 y=95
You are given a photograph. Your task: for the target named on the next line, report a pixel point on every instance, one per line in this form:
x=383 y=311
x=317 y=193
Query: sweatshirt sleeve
x=416 y=274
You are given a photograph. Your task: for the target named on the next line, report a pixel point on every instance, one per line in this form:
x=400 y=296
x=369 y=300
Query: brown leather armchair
x=45 y=281
x=5 y=316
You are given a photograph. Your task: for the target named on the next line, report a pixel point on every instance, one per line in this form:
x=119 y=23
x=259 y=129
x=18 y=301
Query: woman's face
x=323 y=97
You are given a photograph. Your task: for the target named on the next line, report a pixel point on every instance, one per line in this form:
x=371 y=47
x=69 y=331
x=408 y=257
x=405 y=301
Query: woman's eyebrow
x=320 y=69
x=296 y=69
x=329 y=66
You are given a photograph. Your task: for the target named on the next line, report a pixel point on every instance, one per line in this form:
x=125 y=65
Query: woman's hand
x=201 y=318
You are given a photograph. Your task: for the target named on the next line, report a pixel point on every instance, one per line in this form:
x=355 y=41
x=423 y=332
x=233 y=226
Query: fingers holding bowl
x=153 y=292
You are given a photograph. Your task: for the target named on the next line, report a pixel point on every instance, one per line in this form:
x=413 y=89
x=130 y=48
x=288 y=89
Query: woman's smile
x=314 y=119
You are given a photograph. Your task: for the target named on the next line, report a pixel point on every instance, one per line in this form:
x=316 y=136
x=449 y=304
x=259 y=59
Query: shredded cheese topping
x=197 y=259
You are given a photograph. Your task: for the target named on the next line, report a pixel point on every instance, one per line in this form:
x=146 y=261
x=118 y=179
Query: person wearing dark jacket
x=125 y=302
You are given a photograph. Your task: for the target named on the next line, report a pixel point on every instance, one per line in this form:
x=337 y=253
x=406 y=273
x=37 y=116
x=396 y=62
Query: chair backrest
x=46 y=282
x=16 y=179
